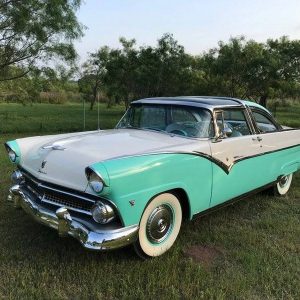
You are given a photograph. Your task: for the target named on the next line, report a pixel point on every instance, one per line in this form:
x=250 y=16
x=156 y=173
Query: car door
x=280 y=149
x=235 y=171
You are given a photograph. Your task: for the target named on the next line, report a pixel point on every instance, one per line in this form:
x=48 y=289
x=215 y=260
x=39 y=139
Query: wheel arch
x=183 y=198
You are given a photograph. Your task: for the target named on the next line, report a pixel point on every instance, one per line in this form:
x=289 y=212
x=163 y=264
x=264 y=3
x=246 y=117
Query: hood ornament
x=54 y=147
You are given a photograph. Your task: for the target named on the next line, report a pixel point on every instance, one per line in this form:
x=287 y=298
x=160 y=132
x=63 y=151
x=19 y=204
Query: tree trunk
x=109 y=103
x=263 y=100
x=94 y=98
x=92 y=103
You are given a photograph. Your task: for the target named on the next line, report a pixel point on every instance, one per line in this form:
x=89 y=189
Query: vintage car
x=168 y=159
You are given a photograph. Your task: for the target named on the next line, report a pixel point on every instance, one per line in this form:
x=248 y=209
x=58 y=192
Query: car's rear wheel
x=283 y=185
x=159 y=226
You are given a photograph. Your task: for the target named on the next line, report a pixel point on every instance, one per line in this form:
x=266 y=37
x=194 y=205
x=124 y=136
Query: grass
x=258 y=239
x=47 y=118
x=289 y=115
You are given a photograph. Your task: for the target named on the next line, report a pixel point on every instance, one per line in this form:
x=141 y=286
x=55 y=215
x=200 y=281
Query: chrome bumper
x=62 y=221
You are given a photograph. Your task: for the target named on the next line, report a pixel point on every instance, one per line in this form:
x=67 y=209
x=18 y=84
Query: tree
x=130 y=72
x=173 y=69
x=122 y=77
x=32 y=30
x=237 y=68
x=94 y=71
x=111 y=71
x=242 y=68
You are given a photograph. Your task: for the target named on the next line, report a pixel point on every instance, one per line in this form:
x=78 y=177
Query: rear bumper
x=62 y=221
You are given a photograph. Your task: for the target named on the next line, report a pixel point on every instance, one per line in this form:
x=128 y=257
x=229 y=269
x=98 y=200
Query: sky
x=197 y=24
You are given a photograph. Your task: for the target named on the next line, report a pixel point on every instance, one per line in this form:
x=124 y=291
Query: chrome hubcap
x=160 y=223
x=283 y=181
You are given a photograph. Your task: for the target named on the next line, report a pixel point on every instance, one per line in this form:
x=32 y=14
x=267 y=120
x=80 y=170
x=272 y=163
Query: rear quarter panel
x=281 y=151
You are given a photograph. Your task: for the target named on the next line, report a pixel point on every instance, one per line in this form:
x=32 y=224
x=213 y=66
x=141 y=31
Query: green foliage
x=45 y=85
x=32 y=30
x=239 y=68
x=242 y=68
x=129 y=73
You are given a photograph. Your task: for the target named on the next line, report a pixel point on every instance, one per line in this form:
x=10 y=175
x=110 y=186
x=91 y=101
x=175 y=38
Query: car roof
x=208 y=102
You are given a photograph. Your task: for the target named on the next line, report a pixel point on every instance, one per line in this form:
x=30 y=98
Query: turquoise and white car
x=167 y=160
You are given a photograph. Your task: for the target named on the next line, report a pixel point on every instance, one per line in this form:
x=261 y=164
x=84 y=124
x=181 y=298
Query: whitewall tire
x=159 y=226
x=283 y=185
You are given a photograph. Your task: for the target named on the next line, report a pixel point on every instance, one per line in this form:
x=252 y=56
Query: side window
x=264 y=124
x=233 y=123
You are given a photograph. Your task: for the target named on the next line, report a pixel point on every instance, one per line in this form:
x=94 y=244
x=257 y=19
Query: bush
x=59 y=97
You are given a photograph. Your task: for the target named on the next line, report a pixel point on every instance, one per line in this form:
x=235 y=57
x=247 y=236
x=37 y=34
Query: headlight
x=95 y=181
x=13 y=151
x=102 y=213
x=12 y=155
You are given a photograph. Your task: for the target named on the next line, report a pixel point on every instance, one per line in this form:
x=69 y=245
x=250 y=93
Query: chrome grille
x=71 y=203
x=58 y=197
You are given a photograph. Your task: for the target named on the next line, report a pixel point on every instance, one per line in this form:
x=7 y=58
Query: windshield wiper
x=155 y=129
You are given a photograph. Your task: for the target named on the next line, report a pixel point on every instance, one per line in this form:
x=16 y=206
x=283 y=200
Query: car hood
x=62 y=159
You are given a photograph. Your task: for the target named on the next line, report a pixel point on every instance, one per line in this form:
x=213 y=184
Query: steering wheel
x=179 y=132
x=191 y=130
x=242 y=128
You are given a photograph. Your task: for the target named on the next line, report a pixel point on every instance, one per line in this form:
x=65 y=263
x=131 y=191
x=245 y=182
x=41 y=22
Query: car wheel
x=283 y=185
x=159 y=226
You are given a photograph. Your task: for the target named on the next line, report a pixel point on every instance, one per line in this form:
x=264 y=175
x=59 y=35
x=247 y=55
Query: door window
x=264 y=124
x=233 y=123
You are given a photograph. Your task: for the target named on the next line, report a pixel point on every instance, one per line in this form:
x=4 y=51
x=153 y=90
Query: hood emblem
x=43 y=164
x=54 y=147
x=42 y=167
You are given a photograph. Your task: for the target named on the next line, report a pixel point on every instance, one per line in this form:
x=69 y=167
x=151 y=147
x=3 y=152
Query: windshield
x=180 y=120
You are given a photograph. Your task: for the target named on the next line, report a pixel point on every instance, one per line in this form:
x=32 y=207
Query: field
x=51 y=118
x=250 y=250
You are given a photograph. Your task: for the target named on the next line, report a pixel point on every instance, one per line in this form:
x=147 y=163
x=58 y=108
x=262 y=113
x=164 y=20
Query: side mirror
x=223 y=130
x=227 y=132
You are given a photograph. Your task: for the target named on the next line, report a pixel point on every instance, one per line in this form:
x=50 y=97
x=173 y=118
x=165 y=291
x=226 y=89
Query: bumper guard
x=62 y=221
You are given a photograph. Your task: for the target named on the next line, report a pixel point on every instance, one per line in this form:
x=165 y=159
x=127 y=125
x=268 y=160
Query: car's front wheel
x=159 y=226
x=283 y=185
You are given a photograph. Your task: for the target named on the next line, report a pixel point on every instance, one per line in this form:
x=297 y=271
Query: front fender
x=135 y=180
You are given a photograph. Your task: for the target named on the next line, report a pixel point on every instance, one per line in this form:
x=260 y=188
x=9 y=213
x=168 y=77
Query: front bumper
x=62 y=221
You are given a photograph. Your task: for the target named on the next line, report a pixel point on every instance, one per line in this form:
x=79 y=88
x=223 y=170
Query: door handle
x=258 y=138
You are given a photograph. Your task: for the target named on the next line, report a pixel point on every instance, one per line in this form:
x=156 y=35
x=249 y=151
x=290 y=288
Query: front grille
x=58 y=197
x=68 y=202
